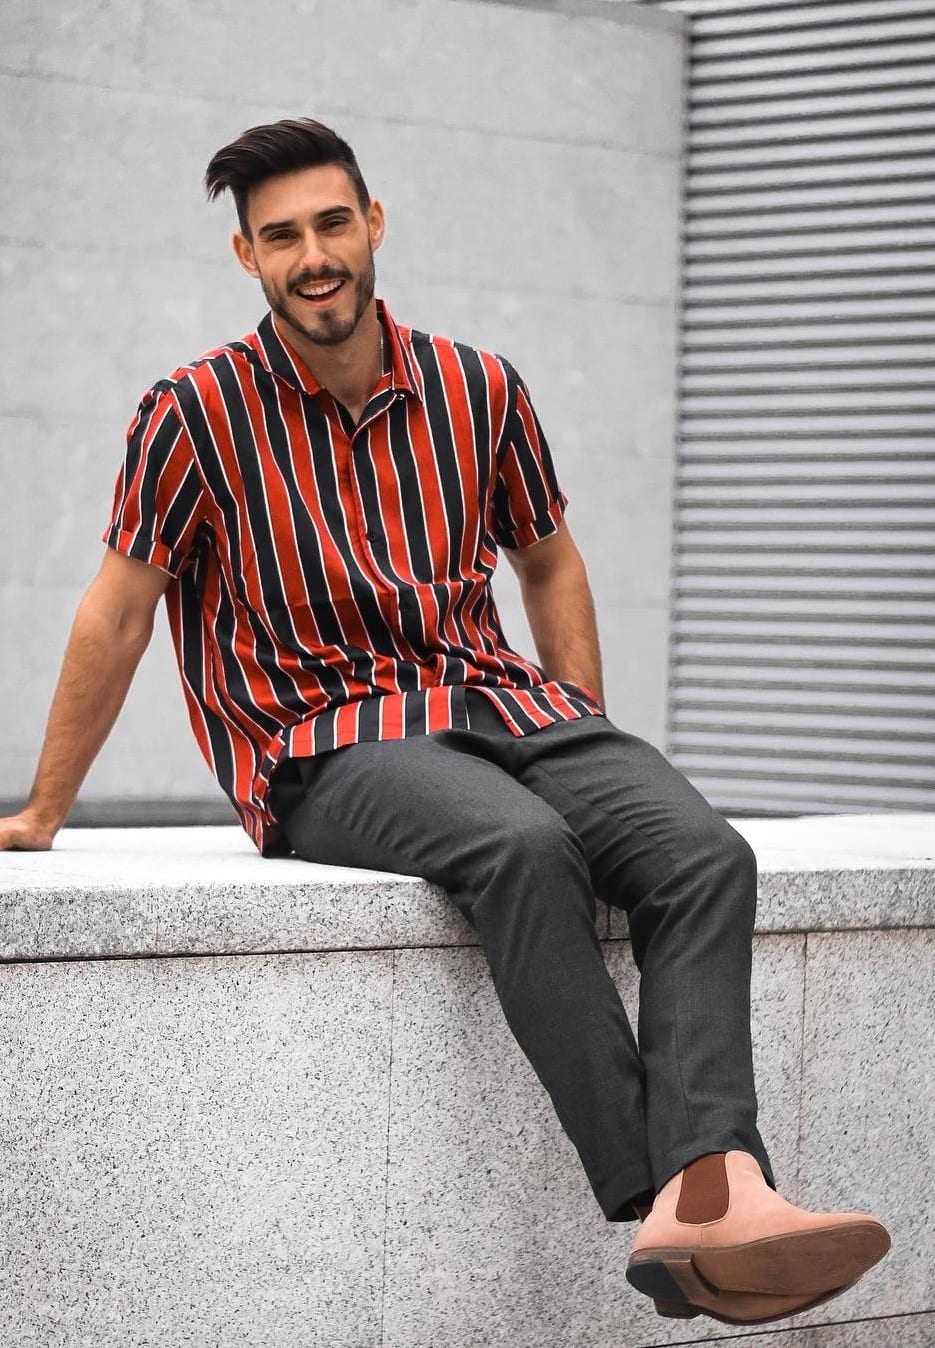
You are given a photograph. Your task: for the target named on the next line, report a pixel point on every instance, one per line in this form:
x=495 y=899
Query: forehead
x=300 y=194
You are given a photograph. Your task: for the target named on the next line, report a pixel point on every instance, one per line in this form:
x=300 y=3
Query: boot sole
x=798 y=1263
x=686 y=1310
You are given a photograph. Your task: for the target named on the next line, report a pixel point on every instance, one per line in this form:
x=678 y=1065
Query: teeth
x=324 y=289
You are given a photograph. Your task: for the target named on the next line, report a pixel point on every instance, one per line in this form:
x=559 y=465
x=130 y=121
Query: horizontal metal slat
x=745 y=230
x=834 y=263
x=843 y=768
x=911 y=285
x=745 y=627
x=744 y=585
x=795 y=15
x=800 y=401
x=752 y=427
x=806 y=105
x=798 y=449
x=837 y=37
x=817 y=196
x=824 y=176
x=844 y=148
x=802 y=500
x=901 y=701
x=734 y=7
x=696 y=677
x=743 y=653
x=746 y=339
x=730 y=88
x=803 y=568
x=828 y=360
x=776 y=133
x=870 y=380
x=864 y=474
x=837 y=244
x=915 y=733
x=836 y=610
x=861 y=536
x=745 y=312
x=867 y=57
x=745 y=798
x=788 y=596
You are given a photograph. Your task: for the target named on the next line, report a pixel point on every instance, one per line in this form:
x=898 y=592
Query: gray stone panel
x=868 y=1122
x=194 y=1151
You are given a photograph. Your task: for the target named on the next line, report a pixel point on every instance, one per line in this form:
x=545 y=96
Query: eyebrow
x=288 y=224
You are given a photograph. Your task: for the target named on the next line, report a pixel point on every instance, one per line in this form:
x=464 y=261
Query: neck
x=351 y=369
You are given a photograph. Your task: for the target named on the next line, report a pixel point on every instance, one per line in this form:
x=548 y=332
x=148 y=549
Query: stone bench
x=259 y=1102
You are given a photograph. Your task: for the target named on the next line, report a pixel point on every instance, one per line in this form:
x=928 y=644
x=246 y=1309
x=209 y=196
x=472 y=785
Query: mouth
x=319 y=295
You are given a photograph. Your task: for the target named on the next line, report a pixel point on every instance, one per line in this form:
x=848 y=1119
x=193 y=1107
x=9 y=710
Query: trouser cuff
x=616 y=1199
x=677 y=1158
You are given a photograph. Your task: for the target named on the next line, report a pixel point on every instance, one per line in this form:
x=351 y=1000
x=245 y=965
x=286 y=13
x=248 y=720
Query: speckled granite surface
x=252 y=1102
x=108 y=892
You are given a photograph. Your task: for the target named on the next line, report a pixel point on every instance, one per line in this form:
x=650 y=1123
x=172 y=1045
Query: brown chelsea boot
x=718 y=1240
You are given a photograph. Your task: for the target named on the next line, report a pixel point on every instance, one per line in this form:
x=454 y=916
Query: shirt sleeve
x=528 y=503
x=159 y=492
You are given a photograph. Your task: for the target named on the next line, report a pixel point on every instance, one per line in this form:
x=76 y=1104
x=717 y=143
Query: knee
x=741 y=856
x=727 y=854
x=735 y=862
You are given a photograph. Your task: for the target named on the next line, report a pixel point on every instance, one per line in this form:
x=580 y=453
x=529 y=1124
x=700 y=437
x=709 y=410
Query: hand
x=23 y=833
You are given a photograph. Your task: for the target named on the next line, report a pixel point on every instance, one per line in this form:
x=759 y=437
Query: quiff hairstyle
x=279 y=147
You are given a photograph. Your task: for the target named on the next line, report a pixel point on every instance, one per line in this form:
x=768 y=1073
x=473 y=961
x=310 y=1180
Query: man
x=322 y=502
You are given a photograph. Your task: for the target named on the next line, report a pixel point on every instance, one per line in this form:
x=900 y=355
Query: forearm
x=561 y=617
x=97 y=670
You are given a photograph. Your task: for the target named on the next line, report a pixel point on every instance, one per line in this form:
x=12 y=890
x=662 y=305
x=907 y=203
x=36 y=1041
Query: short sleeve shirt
x=331 y=580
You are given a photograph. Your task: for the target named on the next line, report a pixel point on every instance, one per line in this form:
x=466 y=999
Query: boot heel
x=677 y=1310
x=669 y=1276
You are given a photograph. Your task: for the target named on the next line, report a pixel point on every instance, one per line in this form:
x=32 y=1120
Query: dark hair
x=279 y=147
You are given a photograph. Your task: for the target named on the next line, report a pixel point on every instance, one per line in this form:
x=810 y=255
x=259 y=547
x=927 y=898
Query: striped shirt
x=331 y=580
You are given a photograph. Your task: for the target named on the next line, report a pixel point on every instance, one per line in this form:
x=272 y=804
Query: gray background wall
x=529 y=161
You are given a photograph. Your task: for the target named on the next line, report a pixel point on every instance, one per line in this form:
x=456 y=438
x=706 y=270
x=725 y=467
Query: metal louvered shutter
x=802 y=675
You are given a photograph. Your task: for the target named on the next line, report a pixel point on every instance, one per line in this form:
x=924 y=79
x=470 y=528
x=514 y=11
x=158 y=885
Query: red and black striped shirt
x=332 y=580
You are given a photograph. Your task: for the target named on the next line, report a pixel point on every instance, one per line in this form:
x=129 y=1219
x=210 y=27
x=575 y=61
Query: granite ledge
x=137 y=892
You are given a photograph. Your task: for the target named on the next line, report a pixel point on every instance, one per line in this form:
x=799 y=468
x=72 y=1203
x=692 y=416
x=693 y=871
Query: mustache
x=318 y=280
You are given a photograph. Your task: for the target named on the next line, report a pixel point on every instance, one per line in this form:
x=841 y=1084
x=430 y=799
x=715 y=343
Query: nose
x=314 y=260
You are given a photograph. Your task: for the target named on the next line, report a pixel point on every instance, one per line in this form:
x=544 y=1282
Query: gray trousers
x=523 y=833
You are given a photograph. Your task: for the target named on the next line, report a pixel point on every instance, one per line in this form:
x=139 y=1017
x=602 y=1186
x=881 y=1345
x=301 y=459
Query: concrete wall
x=529 y=161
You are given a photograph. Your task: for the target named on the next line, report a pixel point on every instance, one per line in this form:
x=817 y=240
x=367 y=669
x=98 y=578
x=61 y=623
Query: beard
x=326 y=328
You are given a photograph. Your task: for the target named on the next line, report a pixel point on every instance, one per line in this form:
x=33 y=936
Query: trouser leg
x=441 y=806
x=687 y=880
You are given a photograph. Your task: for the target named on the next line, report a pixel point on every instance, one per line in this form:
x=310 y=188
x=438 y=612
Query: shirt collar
x=277 y=356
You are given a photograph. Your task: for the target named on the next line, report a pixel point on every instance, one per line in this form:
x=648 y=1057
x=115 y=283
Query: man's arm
x=112 y=628
x=560 y=609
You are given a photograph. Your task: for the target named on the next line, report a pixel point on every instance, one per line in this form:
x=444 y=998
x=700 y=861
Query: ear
x=243 y=250
x=376 y=223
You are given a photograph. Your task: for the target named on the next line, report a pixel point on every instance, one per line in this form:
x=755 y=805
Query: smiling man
x=322 y=503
